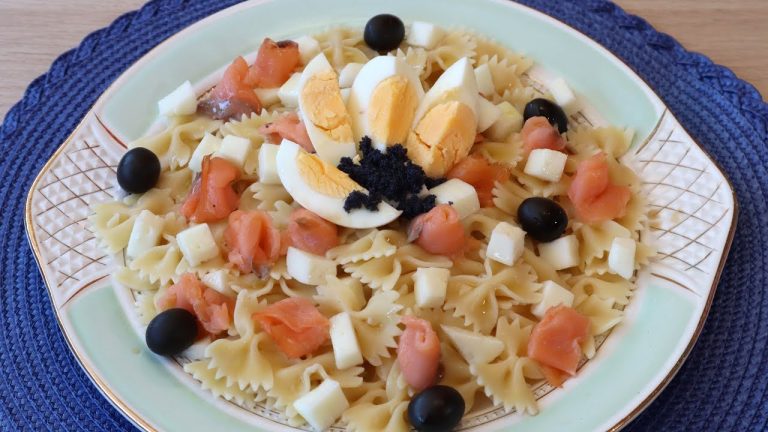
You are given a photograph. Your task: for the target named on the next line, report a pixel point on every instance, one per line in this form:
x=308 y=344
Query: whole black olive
x=138 y=170
x=171 y=332
x=542 y=218
x=384 y=32
x=545 y=108
x=436 y=409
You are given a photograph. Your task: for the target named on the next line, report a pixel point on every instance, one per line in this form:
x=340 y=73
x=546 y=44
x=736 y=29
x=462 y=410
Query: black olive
x=138 y=170
x=544 y=108
x=542 y=218
x=436 y=409
x=171 y=332
x=384 y=32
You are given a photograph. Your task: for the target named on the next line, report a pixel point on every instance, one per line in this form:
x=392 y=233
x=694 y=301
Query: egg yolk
x=443 y=137
x=390 y=112
x=323 y=177
x=321 y=102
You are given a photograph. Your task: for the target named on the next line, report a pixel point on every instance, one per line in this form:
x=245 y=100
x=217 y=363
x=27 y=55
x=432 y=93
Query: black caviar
x=390 y=176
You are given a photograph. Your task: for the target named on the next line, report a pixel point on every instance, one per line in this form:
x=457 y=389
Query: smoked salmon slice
x=296 y=326
x=212 y=197
x=481 y=174
x=418 y=353
x=439 y=231
x=252 y=240
x=311 y=233
x=538 y=133
x=288 y=126
x=274 y=64
x=555 y=342
x=232 y=97
x=212 y=309
x=594 y=198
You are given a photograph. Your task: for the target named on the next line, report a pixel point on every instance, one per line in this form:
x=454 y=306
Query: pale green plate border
x=661 y=323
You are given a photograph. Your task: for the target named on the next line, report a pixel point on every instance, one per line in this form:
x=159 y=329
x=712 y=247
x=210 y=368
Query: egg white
x=457 y=83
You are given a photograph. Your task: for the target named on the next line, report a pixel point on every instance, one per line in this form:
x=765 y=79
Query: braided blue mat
x=722 y=387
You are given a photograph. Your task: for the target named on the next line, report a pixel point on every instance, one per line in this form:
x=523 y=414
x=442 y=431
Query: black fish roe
x=391 y=176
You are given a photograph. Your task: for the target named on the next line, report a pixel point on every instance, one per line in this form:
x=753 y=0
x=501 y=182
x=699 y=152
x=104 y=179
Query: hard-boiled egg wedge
x=322 y=188
x=383 y=101
x=445 y=123
x=323 y=111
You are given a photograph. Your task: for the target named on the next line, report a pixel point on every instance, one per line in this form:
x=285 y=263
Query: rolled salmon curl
x=439 y=231
x=212 y=197
x=481 y=174
x=538 y=133
x=296 y=326
x=252 y=240
x=232 y=97
x=274 y=64
x=212 y=309
x=288 y=126
x=555 y=342
x=311 y=233
x=594 y=198
x=418 y=353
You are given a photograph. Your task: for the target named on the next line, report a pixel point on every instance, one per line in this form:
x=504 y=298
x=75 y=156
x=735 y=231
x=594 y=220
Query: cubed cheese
x=506 y=244
x=209 y=145
x=476 y=348
x=145 y=233
x=348 y=74
x=268 y=164
x=234 y=149
x=181 y=101
x=309 y=47
x=546 y=164
x=552 y=295
x=488 y=114
x=289 y=92
x=563 y=95
x=430 y=285
x=268 y=96
x=459 y=194
x=346 y=350
x=197 y=244
x=345 y=92
x=484 y=80
x=196 y=351
x=308 y=268
x=220 y=280
x=424 y=34
x=561 y=253
x=322 y=406
x=510 y=121
x=621 y=258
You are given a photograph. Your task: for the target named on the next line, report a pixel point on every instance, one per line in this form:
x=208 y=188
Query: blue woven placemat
x=722 y=387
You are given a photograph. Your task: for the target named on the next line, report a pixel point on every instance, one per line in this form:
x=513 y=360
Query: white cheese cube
x=197 y=244
x=196 y=351
x=488 y=114
x=459 y=194
x=145 y=233
x=219 y=280
x=209 y=145
x=546 y=164
x=510 y=121
x=322 y=406
x=309 y=47
x=424 y=34
x=346 y=350
x=484 y=80
x=348 y=74
x=430 y=285
x=268 y=164
x=234 y=149
x=552 y=295
x=476 y=348
x=345 y=92
x=308 y=268
x=506 y=244
x=268 y=96
x=289 y=92
x=561 y=253
x=181 y=101
x=621 y=258
x=563 y=95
